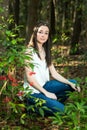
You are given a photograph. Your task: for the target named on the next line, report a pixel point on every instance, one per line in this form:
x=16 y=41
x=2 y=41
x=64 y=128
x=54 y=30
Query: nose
x=43 y=34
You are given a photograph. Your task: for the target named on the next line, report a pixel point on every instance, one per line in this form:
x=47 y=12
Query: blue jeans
x=60 y=89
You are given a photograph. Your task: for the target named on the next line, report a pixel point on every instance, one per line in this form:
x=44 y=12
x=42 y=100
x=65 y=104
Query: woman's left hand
x=78 y=88
x=75 y=87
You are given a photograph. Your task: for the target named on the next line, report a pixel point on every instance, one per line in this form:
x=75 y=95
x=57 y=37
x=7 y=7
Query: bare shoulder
x=29 y=50
x=28 y=54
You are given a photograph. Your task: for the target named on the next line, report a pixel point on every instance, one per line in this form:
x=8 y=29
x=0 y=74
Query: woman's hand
x=75 y=87
x=50 y=95
x=78 y=88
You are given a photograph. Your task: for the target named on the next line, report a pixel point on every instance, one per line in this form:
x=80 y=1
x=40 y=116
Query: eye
x=46 y=33
x=40 y=32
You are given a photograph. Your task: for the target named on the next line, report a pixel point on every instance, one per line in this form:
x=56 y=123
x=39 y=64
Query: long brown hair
x=46 y=45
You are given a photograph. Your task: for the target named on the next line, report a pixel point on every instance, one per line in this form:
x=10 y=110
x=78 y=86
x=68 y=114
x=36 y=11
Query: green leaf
x=8 y=32
x=21 y=105
x=14 y=41
x=41 y=111
x=1 y=10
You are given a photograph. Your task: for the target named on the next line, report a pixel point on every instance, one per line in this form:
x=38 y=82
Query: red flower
x=20 y=93
x=3 y=77
x=12 y=78
x=31 y=73
x=14 y=84
x=6 y=99
x=14 y=81
x=31 y=83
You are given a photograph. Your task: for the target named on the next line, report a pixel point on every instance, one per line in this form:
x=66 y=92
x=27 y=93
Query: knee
x=73 y=81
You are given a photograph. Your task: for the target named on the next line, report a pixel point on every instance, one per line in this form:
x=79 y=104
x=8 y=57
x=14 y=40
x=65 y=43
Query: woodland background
x=68 y=23
x=67 y=18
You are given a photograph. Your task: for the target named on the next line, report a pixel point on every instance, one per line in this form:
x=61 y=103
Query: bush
x=75 y=115
x=12 y=58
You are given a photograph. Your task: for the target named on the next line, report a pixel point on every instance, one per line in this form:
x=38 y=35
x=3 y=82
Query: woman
x=54 y=91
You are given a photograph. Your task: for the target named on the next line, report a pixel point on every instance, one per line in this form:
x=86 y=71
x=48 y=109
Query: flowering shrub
x=6 y=100
x=12 y=94
x=11 y=61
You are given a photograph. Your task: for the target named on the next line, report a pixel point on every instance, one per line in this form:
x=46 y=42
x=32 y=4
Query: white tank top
x=41 y=72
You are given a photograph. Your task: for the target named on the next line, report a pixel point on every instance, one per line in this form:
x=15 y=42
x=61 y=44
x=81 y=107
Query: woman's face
x=42 y=34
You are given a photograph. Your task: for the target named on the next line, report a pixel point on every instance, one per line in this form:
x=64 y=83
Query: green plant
x=12 y=93
x=75 y=115
x=11 y=62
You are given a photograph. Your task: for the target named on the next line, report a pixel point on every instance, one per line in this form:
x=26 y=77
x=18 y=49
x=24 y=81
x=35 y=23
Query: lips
x=43 y=39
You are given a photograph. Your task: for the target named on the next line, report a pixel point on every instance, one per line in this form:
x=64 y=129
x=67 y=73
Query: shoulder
x=29 y=50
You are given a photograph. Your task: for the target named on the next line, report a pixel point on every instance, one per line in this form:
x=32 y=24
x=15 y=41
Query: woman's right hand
x=50 y=95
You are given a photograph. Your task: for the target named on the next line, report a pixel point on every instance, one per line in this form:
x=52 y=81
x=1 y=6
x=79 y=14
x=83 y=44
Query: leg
x=52 y=104
x=56 y=86
x=59 y=88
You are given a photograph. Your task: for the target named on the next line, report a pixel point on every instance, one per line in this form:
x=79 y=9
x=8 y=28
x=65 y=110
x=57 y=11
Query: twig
x=3 y=87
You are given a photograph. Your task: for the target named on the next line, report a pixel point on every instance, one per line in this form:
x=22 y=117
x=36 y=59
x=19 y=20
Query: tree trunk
x=11 y=14
x=52 y=16
x=67 y=17
x=76 y=29
x=16 y=11
x=31 y=18
x=85 y=22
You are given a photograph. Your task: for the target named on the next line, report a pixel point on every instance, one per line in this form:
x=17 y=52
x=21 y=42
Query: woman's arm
x=31 y=79
x=60 y=78
x=28 y=70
